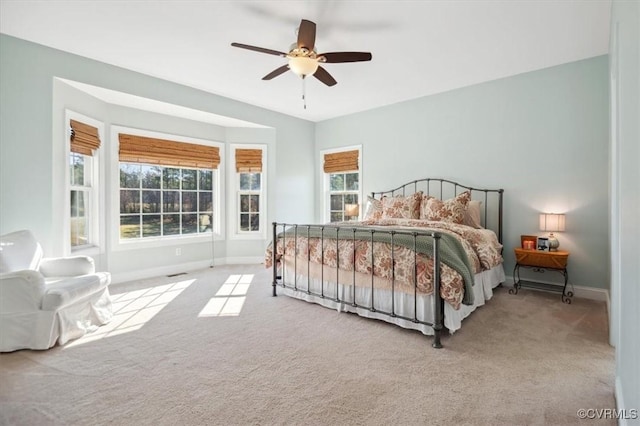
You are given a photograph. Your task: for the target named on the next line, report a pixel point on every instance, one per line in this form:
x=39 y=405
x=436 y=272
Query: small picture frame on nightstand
x=543 y=244
x=528 y=242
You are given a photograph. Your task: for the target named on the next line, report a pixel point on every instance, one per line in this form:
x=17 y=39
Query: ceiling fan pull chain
x=304 y=92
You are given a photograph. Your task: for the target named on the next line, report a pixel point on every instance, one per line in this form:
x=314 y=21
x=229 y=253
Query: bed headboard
x=491 y=211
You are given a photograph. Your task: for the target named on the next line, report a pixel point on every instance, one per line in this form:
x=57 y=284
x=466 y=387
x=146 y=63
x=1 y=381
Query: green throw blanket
x=452 y=252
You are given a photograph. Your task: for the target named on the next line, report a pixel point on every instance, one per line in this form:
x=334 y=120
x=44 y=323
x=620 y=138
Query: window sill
x=165 y=242
x=85 y=251
x=255 y=236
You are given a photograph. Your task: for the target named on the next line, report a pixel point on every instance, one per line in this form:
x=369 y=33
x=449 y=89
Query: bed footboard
x=333 y=286
x=366 y=234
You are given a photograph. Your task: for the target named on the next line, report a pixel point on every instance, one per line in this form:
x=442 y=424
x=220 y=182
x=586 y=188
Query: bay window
x=167 y=188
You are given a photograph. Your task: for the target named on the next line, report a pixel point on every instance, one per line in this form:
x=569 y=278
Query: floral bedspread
x=481 y=245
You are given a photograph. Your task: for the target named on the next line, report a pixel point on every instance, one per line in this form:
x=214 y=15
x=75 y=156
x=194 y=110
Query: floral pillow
x=373 y=209
x=451 y=210
x=402 y=207
x=423 y=206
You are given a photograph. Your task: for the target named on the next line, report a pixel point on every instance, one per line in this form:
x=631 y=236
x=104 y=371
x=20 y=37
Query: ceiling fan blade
x=336 y=57
x=276 y=72
x=307 y=34
x=322 y=75
x=259 y=49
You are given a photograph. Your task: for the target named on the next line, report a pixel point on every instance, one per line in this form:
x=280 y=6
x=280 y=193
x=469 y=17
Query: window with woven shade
x=249 y=160
x=141 y=149
x=166 y=187
x=250 y=184
x=83 y=185
x=84 y=138
x=342 y=184
x=343 y=161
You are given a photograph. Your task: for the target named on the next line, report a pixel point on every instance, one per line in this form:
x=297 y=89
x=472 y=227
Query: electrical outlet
x=178 y=251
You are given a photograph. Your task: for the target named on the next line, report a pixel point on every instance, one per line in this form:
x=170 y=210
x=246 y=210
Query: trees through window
x=83 y=180
x=160 y=201
x=80 y=185
x=344 y=190
x=342 y=184
x=249 y=201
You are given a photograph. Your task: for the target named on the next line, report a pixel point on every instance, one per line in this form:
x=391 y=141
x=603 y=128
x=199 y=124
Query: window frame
x=218 y=186
x=162 y=192
x=95 y=189
x=342 y=193
x=240 y=212
x=233 y=210
x=326 y=181
x=88 y=189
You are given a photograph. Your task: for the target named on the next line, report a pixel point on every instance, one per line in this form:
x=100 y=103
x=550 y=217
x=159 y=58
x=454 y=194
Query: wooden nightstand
x=540 y=261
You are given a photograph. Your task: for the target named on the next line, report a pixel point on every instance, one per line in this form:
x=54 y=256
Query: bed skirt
x=403 y=304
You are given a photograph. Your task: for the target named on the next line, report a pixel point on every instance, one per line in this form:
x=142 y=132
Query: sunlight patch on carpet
x=229 y=300
x=133 y=309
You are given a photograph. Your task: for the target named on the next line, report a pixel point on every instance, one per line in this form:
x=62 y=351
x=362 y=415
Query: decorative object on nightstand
x=352 y=211
x=541 y=261
x=543 y=244
x=551 y=222
x=528 y=242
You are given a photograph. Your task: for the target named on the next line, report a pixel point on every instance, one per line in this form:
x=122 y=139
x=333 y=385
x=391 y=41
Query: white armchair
x=44 y=301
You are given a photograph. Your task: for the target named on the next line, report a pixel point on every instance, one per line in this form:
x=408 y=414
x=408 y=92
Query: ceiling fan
x=303 y=57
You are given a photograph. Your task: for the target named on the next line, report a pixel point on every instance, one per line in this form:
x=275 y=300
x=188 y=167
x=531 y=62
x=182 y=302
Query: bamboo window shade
x=140 y=149
x=344 y=161
x=249 y=160
x=84 y=138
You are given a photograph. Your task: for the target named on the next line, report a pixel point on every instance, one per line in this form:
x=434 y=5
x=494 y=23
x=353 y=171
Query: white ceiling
x=419 y=47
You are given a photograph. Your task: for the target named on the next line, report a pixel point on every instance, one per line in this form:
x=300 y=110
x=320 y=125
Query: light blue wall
x=32 y=107
x=541 y=136
x=625 y=205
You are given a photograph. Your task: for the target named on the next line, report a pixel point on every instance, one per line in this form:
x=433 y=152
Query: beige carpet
x=524 y=359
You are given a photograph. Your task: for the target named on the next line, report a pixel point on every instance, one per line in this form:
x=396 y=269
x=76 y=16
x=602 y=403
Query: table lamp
x=551 y=222
x=352 y=210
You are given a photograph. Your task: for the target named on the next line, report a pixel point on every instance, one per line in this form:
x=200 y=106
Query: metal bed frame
x=444 y=188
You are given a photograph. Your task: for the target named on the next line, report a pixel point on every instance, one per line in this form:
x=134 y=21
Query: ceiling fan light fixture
x=303 y=58
x=303 y=66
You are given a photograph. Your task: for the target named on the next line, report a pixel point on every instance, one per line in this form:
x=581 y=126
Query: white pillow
x=373 y=209
x=472 y=214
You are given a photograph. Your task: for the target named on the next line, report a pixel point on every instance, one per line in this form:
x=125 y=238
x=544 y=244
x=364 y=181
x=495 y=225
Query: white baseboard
x=246 y=260
x=628 y=414
x=591 y=293
x=123 y=277
x=619 y=398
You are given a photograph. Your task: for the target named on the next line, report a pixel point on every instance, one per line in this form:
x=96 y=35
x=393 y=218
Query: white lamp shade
x=351 y=210
x=551 y=222
x=301 y=65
